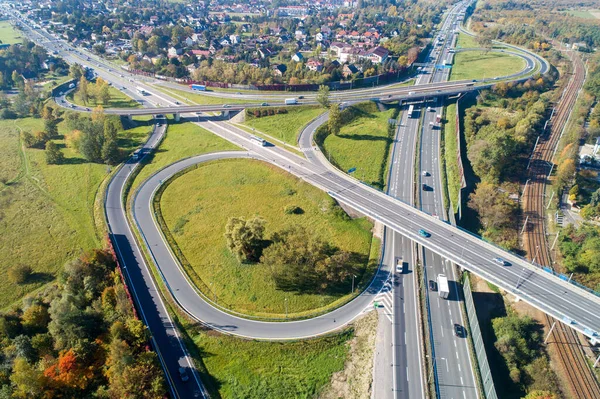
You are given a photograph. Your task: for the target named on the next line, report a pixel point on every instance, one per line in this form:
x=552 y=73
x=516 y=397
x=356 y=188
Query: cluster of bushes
x=580 y=249
x=259 y=113
x=299 y=259
x=518 y=342
x=42 y=138
x=78 y=338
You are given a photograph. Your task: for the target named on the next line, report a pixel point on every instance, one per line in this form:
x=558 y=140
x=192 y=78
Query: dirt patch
x=355 y=381
x=596 y=14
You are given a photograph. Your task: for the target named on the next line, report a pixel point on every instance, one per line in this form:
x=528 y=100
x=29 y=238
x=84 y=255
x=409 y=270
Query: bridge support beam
x=130 y=117
x=225 y=113
x=177 y=117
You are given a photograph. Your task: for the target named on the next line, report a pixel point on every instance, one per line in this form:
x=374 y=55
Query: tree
x=245 y=237
x=35 y=318
x=110 y=150
x=335 y=119
x=103 y=95
x=24 y=349
x=28 y=139
x=54 y=155
x=83 y=89
x=323 y=96
x=76 y=71
x=69 y=371
x=300 y=260
x=19 y=274
x=28 y=381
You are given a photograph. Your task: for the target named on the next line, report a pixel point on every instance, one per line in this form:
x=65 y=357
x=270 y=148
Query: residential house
x=174 y=52
x=377 y=55
x=279 y=69
x=234 y=39
x=314 y=65
x=298 y=57
x=349 y=70
x=319 y=37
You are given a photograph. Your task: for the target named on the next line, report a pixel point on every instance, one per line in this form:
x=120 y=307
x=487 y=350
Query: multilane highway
x=528 y=282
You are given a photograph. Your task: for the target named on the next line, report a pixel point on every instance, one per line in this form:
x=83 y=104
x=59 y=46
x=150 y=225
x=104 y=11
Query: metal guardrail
x=486 y=376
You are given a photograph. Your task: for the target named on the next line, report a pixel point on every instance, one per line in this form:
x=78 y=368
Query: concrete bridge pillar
x=130 y=117
x=226 y=113
x=177 y=117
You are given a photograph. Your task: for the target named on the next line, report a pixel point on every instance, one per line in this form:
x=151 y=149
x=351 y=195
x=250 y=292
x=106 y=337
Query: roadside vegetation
x=451 y=148
x=195 y=98
x=500 y=131
x=90 y=94
x=513 y=344
x=282 y=126
x=359 y=137
x=482 y=65
x=8 y=35
x=183 y=139
x=79 y=337
x=47 y=192
x=292 y=216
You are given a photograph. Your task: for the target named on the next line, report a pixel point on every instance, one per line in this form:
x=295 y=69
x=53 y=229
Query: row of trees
x=299 y=259
x=78 y=338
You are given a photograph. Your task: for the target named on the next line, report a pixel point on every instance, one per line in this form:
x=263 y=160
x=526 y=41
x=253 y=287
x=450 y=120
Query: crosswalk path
x=384 y=299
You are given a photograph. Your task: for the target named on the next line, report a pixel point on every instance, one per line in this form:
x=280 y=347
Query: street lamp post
x=520 y=277
x=353 y=277
x=286 y=307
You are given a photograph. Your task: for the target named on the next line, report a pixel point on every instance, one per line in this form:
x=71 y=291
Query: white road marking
x=442 y=330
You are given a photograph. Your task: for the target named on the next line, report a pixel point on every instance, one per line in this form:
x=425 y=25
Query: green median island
x=362 y=145
x=263 y=243
x=281 y=123
x=481 y=65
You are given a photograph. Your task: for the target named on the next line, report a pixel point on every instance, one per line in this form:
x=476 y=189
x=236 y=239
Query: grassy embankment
x=197 y=205
x=199 y=99
x=284 y=127
x=46 y=211
x=363 y=143
x=118 y=99
x=8 y=34
x=477 y=65
x=450 y=156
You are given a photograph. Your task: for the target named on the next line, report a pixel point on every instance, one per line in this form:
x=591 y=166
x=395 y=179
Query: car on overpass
x=424 y=233
x=501 y=261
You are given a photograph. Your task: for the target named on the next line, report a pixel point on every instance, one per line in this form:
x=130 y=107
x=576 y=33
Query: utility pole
x=550 y=332
x=536 y=253
x=549 y=202
x=525 y=224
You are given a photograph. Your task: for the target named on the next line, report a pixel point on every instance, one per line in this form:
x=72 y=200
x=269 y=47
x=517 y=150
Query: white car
x=399 y=265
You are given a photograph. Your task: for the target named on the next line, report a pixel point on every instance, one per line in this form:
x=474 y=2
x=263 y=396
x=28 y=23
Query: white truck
x=291 y=101
x=443 y=288
x=71 y=85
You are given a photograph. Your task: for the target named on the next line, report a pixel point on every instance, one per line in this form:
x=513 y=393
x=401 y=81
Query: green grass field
x=46 y=211
x=450 y=154
x=466 y=41
x=182 y=140
x=118 y=99
x=197 y=205
x=285 y=127
x=193 y=98
x=8 y=34
x=271 y=370
x=362 y=144
x=476 y=65
x=587 y=14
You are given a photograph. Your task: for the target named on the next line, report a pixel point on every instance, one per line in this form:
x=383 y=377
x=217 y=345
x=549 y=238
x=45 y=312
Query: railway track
x=581 y=380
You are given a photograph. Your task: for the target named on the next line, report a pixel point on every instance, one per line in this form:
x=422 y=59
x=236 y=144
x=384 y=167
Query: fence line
x=486 y=376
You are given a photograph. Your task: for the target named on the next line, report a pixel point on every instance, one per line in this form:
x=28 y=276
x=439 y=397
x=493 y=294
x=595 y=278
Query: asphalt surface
x=165 y=337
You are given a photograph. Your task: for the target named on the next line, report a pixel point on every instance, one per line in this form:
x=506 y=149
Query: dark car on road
x=459 y=331
x=432 y=285
x=183 y=375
